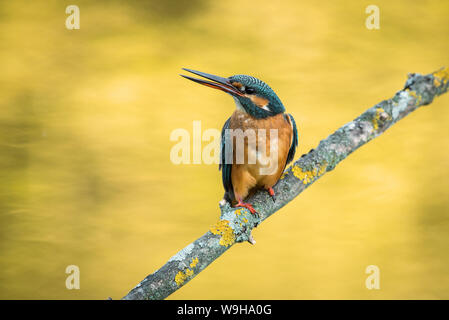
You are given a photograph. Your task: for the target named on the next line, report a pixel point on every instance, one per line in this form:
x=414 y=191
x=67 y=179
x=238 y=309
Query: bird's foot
x=247 y=206
x=271 y=192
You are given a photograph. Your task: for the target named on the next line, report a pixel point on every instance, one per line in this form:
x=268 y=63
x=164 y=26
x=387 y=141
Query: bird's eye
x=250 y=90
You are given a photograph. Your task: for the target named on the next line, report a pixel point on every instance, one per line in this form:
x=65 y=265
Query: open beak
x=223 y=84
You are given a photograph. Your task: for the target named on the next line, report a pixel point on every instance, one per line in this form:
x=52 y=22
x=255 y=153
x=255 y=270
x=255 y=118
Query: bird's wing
x=223 y=166
x=294 y=144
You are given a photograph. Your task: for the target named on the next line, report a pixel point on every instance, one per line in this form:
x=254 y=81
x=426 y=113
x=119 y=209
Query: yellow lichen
x=238 y=212
x=194 y=262
x=301 y=175
x=227 y=233
x=189 y=273
x=417 y=97
x=376 y=118
x=308 y=176
x=182 y=276
x=245 y=220
x=441 y=77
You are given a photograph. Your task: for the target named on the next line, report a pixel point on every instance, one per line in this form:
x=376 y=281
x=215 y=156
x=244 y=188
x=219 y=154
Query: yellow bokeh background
x=86 y=177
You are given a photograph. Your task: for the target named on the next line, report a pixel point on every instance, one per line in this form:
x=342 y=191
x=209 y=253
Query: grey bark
x=235 y=224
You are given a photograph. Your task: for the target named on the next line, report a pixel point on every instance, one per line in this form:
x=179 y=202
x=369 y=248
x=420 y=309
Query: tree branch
x=235 y=225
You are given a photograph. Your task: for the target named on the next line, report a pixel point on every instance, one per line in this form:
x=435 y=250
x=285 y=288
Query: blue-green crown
x=257 y=87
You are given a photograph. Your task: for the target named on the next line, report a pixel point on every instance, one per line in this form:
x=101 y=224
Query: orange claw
x=271 y=192
x=247 y=206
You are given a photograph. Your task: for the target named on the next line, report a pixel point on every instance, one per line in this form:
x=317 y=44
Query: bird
x=258 y=110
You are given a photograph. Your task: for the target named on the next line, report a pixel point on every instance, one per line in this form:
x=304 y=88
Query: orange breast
x=265 y=144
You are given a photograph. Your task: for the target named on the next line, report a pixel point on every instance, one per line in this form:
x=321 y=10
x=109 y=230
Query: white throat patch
x=239 y=105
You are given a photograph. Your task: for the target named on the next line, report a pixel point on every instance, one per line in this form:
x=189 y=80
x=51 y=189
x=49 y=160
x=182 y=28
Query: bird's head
x=250 y=94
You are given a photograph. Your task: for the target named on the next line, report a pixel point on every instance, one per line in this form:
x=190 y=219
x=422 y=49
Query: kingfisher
x=260 y=111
